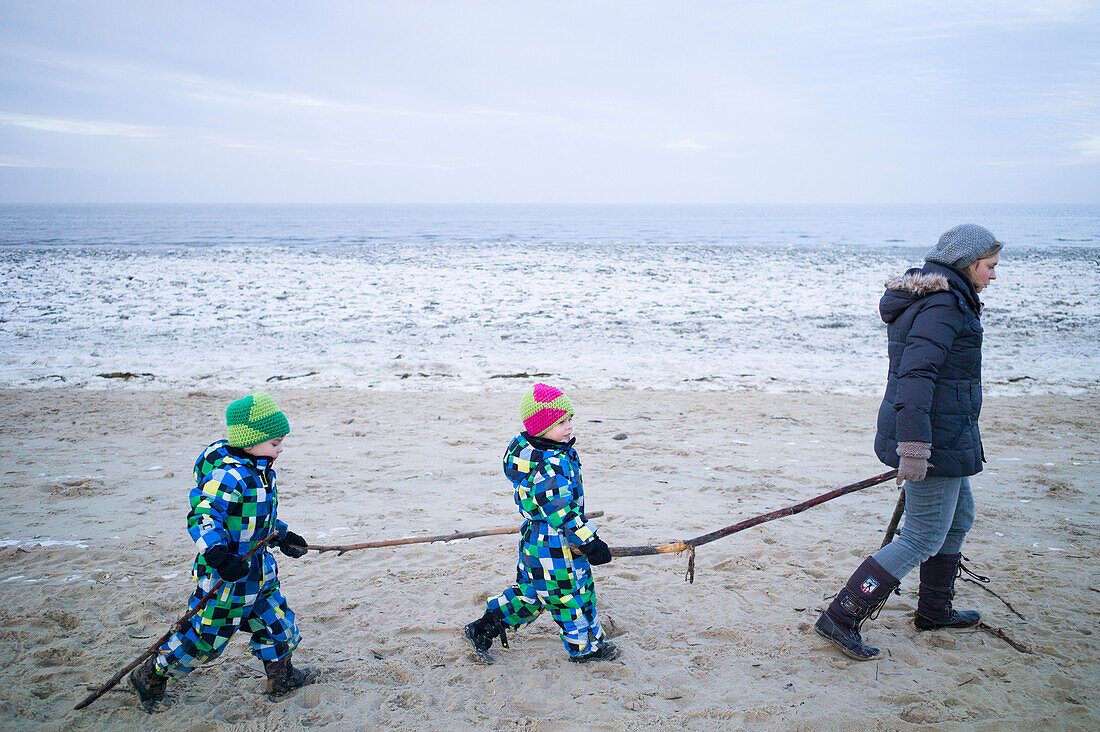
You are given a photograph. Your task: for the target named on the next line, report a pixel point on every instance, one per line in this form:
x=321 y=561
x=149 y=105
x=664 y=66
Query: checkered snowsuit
x=233 y=504
x=549 y=575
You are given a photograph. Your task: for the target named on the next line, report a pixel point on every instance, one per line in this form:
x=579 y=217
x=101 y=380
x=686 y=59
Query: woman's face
x=981 y=272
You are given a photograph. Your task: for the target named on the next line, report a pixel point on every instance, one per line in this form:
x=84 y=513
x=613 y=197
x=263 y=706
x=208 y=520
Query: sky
x=550 y=102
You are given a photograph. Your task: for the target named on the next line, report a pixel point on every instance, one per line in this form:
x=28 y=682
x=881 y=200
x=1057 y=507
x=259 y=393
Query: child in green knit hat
x=233 y=509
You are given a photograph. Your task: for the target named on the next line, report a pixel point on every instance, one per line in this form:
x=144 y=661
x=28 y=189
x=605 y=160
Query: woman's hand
x=913 y=469
x=913 y=464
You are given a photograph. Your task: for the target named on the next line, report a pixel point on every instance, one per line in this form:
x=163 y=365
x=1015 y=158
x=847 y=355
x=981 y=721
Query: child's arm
x=206 y=522
x=552 y=488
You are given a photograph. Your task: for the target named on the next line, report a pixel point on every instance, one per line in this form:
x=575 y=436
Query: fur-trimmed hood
x=919 y=283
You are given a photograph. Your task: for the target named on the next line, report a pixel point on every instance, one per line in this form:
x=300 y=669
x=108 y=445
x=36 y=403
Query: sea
x=486 y=297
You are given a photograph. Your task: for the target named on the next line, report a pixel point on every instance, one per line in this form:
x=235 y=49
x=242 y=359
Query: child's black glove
x=596 y=551
x=293 y=545
x=229 y=566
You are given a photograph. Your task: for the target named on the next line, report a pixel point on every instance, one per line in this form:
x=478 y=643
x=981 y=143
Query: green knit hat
x=255 y=419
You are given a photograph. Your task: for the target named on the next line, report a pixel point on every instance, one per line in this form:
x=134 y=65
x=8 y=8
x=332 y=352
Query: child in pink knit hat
x=557 y=545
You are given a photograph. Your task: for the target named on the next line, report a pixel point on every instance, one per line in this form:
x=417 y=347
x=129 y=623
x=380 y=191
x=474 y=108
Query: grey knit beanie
x=963 y=245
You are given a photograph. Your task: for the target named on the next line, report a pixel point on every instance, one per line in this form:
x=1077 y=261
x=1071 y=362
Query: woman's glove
x=596 y=551
x=229 y=567
x=293 y=545
x=913 y=464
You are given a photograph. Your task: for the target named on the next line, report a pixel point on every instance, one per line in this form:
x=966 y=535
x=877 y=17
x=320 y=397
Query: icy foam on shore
x=416 y=317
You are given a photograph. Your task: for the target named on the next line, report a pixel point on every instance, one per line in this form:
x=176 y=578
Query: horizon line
x=549 y=203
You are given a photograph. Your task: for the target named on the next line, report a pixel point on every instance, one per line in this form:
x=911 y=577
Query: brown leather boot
x=149 y=685
x=283 y=677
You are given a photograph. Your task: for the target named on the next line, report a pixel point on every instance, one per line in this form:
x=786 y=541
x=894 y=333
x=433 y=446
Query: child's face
x=268 y=449
x=561 y=431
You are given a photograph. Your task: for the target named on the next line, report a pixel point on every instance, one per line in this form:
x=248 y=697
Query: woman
x=928 y=430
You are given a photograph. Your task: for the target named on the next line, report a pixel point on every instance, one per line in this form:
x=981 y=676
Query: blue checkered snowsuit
x=233 y=504
x=549 y=575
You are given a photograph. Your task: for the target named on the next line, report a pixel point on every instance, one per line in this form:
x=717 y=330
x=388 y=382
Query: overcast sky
x=407 y=101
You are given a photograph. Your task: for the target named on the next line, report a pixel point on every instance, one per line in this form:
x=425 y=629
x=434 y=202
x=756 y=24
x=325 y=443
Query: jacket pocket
x=946 y=435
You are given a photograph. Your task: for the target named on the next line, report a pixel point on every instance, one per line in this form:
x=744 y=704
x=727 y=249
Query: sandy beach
x=396 y=218
x=95 y=563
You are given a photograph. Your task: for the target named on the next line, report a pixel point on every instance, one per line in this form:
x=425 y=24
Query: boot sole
x=845 y=651
x=933 y=625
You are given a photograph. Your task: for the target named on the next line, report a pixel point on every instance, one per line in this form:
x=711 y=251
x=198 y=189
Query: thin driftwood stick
x=998 y=633
x=679 y=546
x=178 y=625
x=341 y=548
x=892 y=528
x=1006 y=602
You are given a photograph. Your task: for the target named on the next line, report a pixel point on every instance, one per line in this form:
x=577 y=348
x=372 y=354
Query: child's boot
x=150 y=685
x=937 y=588
x=606 y=651
x=865 y=592
x=283 y=677
x=482 y=631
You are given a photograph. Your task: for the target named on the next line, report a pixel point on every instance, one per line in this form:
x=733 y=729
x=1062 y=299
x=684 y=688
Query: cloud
x=190 y=88
x=10 y=162
x=686 y=144
x=222 y=92
x=100 y=128
x=78 y=127
x=1090 y=148
x=261 y=149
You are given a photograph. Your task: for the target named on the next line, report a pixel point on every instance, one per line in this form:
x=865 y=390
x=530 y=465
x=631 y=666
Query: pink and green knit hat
x=541 y=407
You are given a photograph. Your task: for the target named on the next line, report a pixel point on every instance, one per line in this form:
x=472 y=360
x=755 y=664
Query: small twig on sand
x=997 y=632
x=280 y=377
x=1006 y=602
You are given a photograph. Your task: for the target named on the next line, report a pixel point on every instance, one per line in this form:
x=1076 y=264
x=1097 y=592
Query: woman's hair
x=971 y=268
x=992 y=251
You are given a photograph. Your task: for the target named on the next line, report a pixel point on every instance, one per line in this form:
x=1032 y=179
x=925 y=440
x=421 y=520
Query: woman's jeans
x=938 y=513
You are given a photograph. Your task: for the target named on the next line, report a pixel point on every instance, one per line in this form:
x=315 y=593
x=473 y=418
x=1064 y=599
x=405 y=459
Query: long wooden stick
x=178 y=625
x=685 y=544
x=892 y=528
x=341 y=548
x=627 y=551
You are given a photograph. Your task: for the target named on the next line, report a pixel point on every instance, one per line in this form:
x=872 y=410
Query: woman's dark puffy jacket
x=934 y=391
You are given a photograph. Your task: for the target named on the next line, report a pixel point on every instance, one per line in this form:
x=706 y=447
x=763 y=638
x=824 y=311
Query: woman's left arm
x=930 y=339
